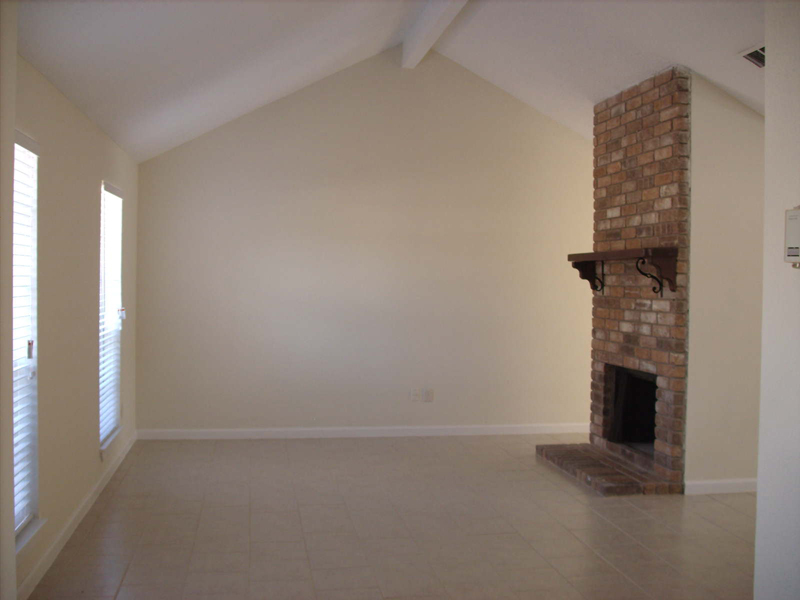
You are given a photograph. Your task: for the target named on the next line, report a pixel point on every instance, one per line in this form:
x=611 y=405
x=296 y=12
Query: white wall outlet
x=792 y=247
x=422 y=395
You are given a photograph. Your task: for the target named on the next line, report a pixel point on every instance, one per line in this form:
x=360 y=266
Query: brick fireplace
x=641 y=201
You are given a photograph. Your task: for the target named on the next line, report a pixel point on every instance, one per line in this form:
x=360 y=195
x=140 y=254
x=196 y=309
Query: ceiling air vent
x=757 y=55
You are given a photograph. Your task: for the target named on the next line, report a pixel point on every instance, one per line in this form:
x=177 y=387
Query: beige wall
x=725 y=297
x=8 y=101
x=777 y=576
x=75 y=157
x=309 y=264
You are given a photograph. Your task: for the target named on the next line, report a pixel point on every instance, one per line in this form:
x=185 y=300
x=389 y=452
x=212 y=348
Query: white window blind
x=111 y=311
x=24 y=332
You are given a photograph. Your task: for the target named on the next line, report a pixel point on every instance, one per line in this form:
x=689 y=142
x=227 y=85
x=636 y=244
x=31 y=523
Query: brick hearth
x=604 y=472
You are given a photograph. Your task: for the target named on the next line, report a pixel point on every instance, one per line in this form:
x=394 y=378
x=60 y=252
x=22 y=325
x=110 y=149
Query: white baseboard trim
x=35 y=576
x=358 y=432
x=719 y=486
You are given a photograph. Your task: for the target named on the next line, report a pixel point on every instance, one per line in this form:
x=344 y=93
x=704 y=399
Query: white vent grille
x=757 y=56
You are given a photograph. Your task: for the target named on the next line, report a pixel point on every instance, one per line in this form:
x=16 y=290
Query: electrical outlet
x=422 y=395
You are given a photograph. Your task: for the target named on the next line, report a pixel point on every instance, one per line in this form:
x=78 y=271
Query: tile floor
x=368 y=519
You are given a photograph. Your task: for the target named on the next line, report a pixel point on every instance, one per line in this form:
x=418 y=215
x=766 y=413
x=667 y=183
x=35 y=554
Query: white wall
x=777 y=574
x=725 y=300
x=311 y=263
x=75 y=158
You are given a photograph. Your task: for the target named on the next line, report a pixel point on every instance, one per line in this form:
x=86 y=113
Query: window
x=26 y=459
x=111 y=311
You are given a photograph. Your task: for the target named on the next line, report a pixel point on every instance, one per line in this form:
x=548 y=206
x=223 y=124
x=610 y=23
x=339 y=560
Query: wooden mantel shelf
x=664 y=260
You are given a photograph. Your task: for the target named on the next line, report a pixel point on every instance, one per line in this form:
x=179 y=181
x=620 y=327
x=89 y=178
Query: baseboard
x=358 y=432
x=719 y=486
x=35 y=576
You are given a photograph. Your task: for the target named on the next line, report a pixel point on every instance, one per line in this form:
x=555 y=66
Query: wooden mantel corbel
x=664 y=260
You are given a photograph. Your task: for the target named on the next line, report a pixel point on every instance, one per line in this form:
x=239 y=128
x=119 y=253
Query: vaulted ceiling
x=156 y=74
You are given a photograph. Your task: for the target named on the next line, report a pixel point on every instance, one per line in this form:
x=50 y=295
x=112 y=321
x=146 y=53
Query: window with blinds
x=26 y=457
x=111 y=311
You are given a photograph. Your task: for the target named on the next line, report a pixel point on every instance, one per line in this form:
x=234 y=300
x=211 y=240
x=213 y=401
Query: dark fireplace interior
x=633 y=421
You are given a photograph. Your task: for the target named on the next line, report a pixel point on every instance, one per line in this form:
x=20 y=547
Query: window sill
x=108 y=441
x=26 y=533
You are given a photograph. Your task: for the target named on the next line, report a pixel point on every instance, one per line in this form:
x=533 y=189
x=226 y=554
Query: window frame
x=106 y=437
x=24 y=530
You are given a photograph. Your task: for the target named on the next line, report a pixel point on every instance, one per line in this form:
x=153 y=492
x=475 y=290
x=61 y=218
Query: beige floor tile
x=230 y=494
x=234 y=516
x=604 y=535
x=544 y=579
x=457 y=550
x=441 y=596
x=149 y=592
x=477 y=517
x=90 y=564
x=408 y=581
x=636 y=527
x=479 y=572
x=536 y=523
x=341 y=579
x=123 y=529
x=170 y=530
x=104 y=547
x=221 y=540
x=279 y=550
x=98 y=581
x=395 y=552
x=211 y=526
x=431 y=525
x=584 y=518
x=263 y=568
x=278 y=526
x=282 y=590
x=378 y=524
x=744 y=503
x=484 y=525
x=44 y=593
x=270 y=469
x=150 y=574
x=318 y=494
x=509 y=551
x=268 y=495
x=218 y=584
x=326 y=519
x=667 y=584
x=220 y=562
x=331 y=551
x=479 y=591
x=362 y=594
x=167 y=504
x=564 y=592
x=561 y=546
x=581 y=566
x=608 y=588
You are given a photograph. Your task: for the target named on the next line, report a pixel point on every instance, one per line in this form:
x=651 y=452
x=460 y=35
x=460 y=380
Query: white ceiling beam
x=429 y=26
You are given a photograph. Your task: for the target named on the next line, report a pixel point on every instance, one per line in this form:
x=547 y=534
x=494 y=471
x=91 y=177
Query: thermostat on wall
x=792 y=247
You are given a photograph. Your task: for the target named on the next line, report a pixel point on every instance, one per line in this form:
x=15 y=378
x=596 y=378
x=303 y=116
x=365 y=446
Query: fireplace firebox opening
x=633 y=420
